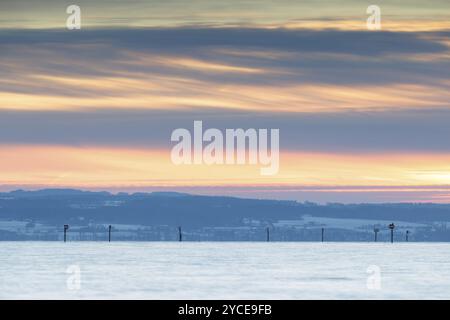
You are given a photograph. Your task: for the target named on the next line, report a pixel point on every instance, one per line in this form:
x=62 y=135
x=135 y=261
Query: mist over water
x=229 y=270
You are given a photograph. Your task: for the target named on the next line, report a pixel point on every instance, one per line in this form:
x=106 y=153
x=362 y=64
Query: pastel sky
x=364 y=116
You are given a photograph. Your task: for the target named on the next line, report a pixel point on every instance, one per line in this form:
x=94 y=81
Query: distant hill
x=61 y=205
x=55 y=207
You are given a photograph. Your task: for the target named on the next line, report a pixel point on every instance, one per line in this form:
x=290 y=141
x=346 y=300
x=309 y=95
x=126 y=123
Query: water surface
x=216 y=270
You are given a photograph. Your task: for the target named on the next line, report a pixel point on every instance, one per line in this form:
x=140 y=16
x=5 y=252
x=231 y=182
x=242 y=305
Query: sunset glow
x=358 y=110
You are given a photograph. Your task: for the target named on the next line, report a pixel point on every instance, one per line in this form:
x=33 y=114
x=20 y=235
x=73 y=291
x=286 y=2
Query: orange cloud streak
x=99 y=167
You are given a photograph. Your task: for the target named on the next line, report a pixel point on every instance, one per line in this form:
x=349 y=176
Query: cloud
x=416 y=14
x=394 y=132
x=354 y=90
x=96 y=107
x=235 y=68
x=197 y=39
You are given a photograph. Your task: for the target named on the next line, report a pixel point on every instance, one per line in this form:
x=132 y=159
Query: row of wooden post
x=180 y=235
x=376 y=230
x=66 y=227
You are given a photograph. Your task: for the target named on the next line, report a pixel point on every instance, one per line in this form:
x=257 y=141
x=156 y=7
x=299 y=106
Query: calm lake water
x=215 y=270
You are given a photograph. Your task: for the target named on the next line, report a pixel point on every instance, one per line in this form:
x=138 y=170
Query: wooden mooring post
x=66 y=227
x=392 y=227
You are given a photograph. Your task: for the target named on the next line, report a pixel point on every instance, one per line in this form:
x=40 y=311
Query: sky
x=363 y=115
